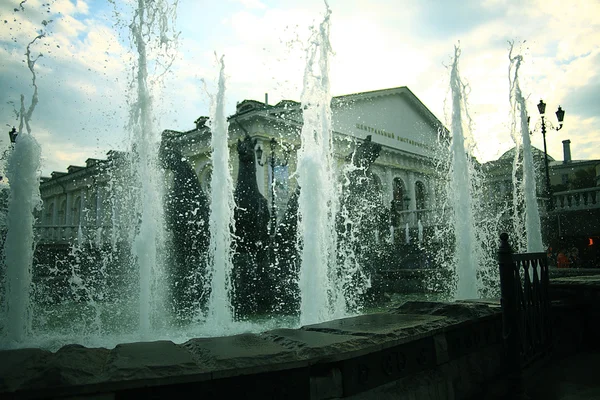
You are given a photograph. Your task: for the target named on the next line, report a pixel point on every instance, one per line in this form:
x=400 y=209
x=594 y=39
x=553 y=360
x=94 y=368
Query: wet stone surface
x=332 y=355
x=233 y=355
x=148 y=360
x=373 y=324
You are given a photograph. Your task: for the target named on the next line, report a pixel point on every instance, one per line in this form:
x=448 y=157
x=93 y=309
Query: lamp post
x=273 y=162
x=12 y=134
x=560 y=116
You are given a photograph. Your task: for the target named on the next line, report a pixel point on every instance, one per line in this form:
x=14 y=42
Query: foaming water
x=150 y=24
x=460 y=193
x=321 y=297
x=525 y=190
x=221 y=214
x=353 y=212
x=114 y=335
x=24 y=162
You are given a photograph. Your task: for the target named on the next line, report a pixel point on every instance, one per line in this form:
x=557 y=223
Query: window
x=420 y=195
x=398 y=203
x=50 y=214
x=77 y=211
x=205 y=179
x=399 y=192
x=281 y=179
x=62 y=213
x=565 y=179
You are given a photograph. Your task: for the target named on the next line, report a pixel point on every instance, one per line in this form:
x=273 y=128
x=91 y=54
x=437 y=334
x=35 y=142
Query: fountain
x=466 y=260
x=329 y=242
x=524 y=189
x=319 y=295
x=221 y=216
x=473 y=223
x=24 y=161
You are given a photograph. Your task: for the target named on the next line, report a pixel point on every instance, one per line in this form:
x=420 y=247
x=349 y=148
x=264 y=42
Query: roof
x=574 y=163
x=248 y=106
x=401 y=90
x=510 y=154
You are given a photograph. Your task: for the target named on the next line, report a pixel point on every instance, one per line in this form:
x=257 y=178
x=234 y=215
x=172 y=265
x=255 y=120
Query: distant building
x=81 y=198
x=572 y=218
x=395 y=118
x=499 y=174
x=572 y=174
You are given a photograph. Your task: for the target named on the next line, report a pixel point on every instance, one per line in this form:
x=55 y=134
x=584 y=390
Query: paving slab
x=373 y=324
x=19 y=366
x=149 y=360
x=239 y=354
x=588 y=281
x=455 y=311
x=571 y=378
x=315 y=344
x=70 y=366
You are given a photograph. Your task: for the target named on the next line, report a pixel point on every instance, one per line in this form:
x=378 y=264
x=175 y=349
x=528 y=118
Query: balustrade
x=580 y=199
x=69 y=233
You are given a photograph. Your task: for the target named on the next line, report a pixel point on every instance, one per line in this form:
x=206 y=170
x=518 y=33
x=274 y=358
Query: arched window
x=399 y=202
x=399 y=193
x=378 y=187
x=77 y=211
x=62 y=213
x=205 y=179
x=93 y=208
x=420 y=195
x=50 y=214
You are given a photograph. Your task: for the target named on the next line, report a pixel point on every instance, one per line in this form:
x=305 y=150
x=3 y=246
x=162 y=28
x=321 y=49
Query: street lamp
x=560 y=115
x=12 y=134
x=273 y=161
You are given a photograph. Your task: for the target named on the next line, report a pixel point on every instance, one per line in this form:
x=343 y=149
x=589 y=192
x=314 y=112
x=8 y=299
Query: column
x=69 y=211
x=262 y=172
x=56 y=200
x=390 y=186
x=98 y=221
x=413 y=197
x=84 y=208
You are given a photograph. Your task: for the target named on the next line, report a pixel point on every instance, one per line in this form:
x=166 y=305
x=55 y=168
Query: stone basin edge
x=218 y=358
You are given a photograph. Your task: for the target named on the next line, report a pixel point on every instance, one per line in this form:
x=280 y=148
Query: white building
x=395 y=118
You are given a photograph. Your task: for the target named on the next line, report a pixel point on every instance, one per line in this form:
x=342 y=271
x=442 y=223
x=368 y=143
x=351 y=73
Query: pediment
x=395 y=118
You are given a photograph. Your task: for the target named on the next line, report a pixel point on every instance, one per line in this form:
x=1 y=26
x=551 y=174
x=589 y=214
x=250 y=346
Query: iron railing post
x=510 y=329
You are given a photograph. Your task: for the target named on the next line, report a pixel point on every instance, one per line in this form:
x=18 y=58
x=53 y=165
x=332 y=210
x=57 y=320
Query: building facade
x=79 y=200
x=569 y=208
x=395 y=118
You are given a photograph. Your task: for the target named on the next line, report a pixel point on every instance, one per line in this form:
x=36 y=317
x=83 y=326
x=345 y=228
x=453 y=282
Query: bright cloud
x=84 y=73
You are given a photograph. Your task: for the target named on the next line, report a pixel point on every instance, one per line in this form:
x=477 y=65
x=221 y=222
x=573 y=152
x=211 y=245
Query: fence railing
x=527 y=329
x=70 y=233
x=580 y=199
x=428 y=217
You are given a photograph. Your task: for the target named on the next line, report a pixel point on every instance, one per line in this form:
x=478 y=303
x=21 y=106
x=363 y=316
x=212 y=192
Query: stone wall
x=421 y=350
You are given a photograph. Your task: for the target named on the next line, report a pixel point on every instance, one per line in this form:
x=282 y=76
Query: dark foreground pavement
x=576 y=377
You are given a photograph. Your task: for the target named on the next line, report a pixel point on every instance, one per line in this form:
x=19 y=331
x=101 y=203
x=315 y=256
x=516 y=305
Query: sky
x=84 y=72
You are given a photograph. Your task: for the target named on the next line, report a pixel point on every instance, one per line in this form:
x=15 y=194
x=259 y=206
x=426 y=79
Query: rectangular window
x=280 y=181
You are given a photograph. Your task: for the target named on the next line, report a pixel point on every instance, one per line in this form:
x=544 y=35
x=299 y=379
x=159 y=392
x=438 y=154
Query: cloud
x=252 y=4
x=86 y=67
x=81 y=80
x=449 y=18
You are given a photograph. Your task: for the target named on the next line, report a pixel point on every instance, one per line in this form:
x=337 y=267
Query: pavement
x=576 y=377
